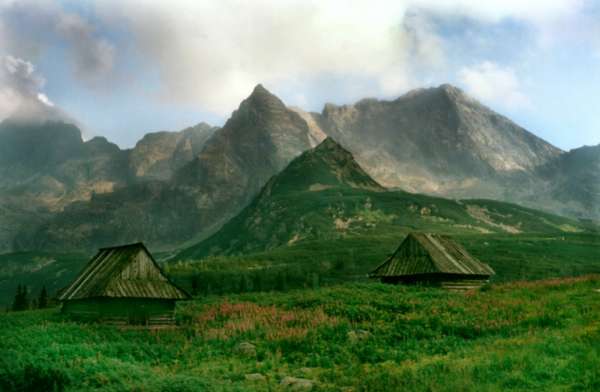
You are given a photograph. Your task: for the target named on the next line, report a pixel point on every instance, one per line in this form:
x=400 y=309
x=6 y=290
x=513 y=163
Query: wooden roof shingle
x=127 y=271
x=424 y=253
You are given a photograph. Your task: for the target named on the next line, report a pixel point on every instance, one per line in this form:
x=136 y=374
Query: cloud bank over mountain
x=207 y=55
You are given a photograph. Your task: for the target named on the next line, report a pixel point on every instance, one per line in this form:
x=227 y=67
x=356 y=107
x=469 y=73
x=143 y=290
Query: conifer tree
x=43 y=299
x=17 y=299
x=20 y=302
x=243 y=284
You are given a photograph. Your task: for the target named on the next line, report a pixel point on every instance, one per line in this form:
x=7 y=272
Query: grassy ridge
x=522 y=335
x=279 y=220
x=325 y=195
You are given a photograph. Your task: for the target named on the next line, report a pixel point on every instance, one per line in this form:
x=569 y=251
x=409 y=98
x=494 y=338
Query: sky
x=121 y=69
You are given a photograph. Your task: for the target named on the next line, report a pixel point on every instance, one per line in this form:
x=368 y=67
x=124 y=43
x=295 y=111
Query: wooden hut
x=122 y=285
x=433 y=259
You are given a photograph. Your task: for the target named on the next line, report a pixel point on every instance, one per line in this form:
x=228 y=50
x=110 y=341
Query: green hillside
x=325 y=195
x=354 y=337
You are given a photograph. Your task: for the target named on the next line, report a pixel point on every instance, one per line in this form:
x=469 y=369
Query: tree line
x=22 y=301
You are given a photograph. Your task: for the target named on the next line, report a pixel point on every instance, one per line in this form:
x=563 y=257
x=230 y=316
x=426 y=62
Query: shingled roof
x=423 y=253
x=127 y=271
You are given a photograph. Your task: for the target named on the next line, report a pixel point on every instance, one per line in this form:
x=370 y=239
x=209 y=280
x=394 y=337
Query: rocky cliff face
x=436 y=140
x=157 y=156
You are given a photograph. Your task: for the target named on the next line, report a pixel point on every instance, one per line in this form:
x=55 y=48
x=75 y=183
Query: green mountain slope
x=325 y=195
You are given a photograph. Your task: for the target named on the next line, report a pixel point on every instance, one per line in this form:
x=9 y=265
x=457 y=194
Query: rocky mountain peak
x=259 y=89
x=261 y=107
x=261 y=98
x=451 y=89
x=100 y=145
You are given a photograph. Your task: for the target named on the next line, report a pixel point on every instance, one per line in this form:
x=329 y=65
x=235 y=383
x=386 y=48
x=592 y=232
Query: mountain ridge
x=437 y=141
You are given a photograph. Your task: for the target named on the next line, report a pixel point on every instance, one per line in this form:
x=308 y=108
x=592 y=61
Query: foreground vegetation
x=357 y=336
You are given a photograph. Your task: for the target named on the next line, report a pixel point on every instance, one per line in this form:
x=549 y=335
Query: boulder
x=297 y=384
x=358 y=335
x=247 y=349
x=255 y=377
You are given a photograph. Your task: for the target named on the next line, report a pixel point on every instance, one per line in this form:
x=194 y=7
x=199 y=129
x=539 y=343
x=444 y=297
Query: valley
x=291 y=196
x=274 y=221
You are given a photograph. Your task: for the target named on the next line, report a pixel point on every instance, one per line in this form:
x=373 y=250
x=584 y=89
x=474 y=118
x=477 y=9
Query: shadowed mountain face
x=46 y=168
x=572 y=183
x=183 y=184
x=174 y=187
x=325 y=195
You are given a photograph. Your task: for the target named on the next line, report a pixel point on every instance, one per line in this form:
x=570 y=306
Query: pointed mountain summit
x=259 y=140
x=261 y=107
x=261 y=96
x=326 y=166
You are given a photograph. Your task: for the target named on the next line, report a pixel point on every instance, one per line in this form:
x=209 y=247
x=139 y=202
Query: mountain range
x=176 y=188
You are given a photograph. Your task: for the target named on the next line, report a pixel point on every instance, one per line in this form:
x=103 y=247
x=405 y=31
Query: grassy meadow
x=524 y=335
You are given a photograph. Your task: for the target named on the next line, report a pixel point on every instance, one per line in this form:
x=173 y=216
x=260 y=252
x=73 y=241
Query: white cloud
x=93 y=57
x=493 y=84
x=213 y=53
x=19 y=83
x=43 y=98
x=21 y=95
x=29 y=27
